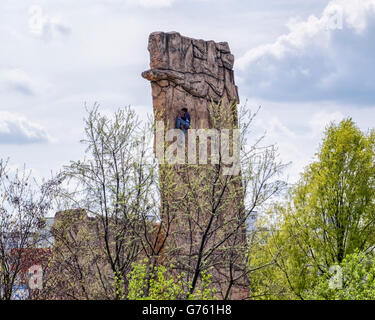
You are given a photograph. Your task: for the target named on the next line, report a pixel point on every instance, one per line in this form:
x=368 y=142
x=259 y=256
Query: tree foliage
x=115 y=187
x=24 y=203
x=329 y=214
x=161 y=284
x=353 y=279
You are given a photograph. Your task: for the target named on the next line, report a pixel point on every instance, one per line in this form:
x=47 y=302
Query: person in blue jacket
x=183 y=120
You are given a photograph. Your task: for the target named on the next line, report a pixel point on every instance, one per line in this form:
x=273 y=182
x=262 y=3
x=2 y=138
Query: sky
x=306 y=63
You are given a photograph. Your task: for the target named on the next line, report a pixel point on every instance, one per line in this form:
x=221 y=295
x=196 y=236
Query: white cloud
x=322 y=58
x=17 y=80
x=298 y=128
x=16 y=129
x=14 y=79
x=151 y=3
x=44 y=26
x=322 y=119
x=155 y=3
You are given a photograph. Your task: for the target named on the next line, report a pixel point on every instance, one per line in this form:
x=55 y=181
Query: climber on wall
x=183 y=120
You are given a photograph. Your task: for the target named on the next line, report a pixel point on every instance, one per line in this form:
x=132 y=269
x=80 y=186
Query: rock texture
x=194 y=73
x=189 y=72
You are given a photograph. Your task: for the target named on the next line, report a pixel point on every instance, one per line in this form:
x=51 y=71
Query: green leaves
x=328 y=216
x=160 y=283
x=357 y=279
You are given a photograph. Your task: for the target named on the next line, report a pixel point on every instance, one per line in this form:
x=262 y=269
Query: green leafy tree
x=159 y=283
x=353 y=279
x=329 y=215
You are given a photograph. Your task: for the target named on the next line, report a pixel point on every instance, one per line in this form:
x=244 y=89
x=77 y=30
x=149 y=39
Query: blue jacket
x=186 y=117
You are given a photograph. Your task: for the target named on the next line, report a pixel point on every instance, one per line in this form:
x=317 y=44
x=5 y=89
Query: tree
x=329 y=214
x=210 y=209
x=353 y=279
x=191 y=216
x=23 y=206
x=160 y=284
x=116 y=186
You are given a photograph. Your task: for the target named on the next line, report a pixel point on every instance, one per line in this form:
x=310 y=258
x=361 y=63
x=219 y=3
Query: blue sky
x=305 y=62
